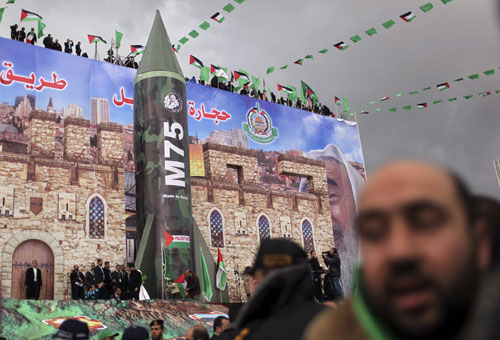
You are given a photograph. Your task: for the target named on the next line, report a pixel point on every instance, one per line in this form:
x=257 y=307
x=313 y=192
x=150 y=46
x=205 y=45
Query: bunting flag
x=298 y=62
x=485 y=94
x=228 y=8
x=325 y=50
x=206 y=284
x=364 y=112
x=437 y=101
x=443 y=86
x=469 y=96
x=176 y=48
x=413 y=92
x=195 y=62
x=10 y=2
x=136 y=49
x=309 y=56
x=422 y=106
x=459 y=79
x=399 y=94
x=452 y=99
x=283 y=67
x=406 y=107
x=194 y=34
x=384 y=98
x=29 y=16
x=183 y=40
x=341 y=46
x=307 y=94
x=118 y=38
x=95 y=39
x=220 y=280
x=218 y=17
x=371 y=31
x=392 y=109
x=270 y=70
x=427 y=7
x=356 y=38
x=389 y=24
x=446 y=1
x=1 y=12
x=489 y=72
x=474 y=76
x=408 y=17
x=205 y=25
x=426 y=88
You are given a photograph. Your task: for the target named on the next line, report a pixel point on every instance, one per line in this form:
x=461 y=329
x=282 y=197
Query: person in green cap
x=108 y=334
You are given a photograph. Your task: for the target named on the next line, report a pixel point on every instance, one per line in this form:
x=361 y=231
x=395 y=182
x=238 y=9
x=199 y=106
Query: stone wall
x=285 y=210
x=110 y=144
x=41 y=134
x=77 y=140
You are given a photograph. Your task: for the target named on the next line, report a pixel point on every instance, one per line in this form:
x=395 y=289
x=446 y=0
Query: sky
x=451 y=41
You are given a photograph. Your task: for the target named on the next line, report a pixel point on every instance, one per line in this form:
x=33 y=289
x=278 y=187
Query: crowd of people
x=429 y=254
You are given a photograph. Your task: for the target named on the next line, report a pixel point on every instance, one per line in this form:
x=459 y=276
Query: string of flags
x=441 y=87
x=217 y=17
x=2 y=9
x=343 y=45
x=425 y=105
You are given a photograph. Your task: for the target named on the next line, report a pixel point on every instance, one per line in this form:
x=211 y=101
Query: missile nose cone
x=159 y=54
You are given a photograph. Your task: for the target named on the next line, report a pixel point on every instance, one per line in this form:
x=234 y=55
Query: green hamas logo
x=259 y=126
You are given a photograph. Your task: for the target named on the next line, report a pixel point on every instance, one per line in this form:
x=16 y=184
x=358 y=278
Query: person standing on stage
x=316 y=270
x=134 y=282
x=13 y=32
x=108 y=284
x=77 y=280
x=90 y=277
x=33 y=281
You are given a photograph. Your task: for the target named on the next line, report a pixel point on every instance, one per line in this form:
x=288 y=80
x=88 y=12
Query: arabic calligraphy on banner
x=214 y=114
x=123 y=100
x=7 y=78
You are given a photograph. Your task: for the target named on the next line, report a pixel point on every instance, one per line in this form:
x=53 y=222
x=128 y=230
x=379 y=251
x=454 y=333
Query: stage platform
x=29 y=319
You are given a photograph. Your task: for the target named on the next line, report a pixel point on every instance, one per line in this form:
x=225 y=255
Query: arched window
x=216 y=229
x=307 y=235
x=96 y=218
x=264 y=228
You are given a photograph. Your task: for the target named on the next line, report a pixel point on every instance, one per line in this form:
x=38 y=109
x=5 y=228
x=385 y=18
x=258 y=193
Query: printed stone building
x=60 y=212
x=236 y=217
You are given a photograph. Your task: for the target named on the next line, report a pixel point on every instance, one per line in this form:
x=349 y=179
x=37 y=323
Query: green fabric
x=378 y=110
x=413 y=92
x=41 y=26
x=393 y=109
x=427 y=7
x=167 y=271
x=1 y=12
x=474 y=76
x=452 y=99
x=194 y=34
x=303 y=90
x=294 y=95
x=459 y=79
x=10 y=1
x=228 y=8
x=206 y=284
x=152 y=74
x=497 y=91
x=205 y=73
x=399 y=94
x=204 y=25
x=489 y=72
x=407 y=107
x=389 y=24
x=469 y=96
x=239 y=1
x=255 y=83
x=323 y=50
x=371 y=103
x=371 y=31
x=309 y=56
x=437 y=101
x=446 y=1
x=184 y=40
x=426 y=88
x=284 y=67
x=270 y=69
x=356 y=38
x=118 y=38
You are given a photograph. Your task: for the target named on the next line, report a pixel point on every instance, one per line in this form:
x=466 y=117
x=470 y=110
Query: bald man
x=197 y=332
x=422 y=255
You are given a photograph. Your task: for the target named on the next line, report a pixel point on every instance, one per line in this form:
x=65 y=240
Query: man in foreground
x=197 y=332
x=422 y=255
x=157 y=329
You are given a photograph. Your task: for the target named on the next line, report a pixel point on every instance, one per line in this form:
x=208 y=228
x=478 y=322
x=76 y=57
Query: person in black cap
x=157 y=329
x=72 y=329
x=283 y=302
x=135 y=333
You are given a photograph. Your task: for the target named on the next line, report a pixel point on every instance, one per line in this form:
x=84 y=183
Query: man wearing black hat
x=135 y=333
x=157 y=329
x=283 y=302
x=72 y=329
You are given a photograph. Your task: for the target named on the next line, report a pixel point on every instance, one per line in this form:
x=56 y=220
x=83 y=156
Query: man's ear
x=484 y=251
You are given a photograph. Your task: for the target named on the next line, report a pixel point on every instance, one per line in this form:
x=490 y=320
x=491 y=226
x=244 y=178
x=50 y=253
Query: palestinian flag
x=176 y=241
x=137 y=49
x=484 y=94
x=285 y=88
x=307 y=94
x=408 y=17
x=341 y=46
x=29 y=16
x=218 y=71
x=337 y=100
x=298 y=62
x=220 y=279
x=176 y=48
x=421 y=106
x=218 y=17
x=182 y=284
x=384 y=99
x=195 y=62
x=443 y=86
x=95 y=39
x=241 y=76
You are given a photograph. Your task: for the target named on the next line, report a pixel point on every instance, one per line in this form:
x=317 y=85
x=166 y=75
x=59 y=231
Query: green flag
x=389 y=24
x=497 y=91
x=323 y=50
x=41 y=26
x=371 y=103
x=426 y=88
x=446 y=1
x=307 y=93
x=489 y=72
x=393 y=109
x=228 y=8
x=378 y=110
x=346 y=103
x=309 y=56
x=413 y=92
x=474 y=76
x=371 y=31
x=239 y=1
x=469 y=96
x=184 y=40
x=255 y=83
x=205 y=73
x=437 y=101
x=459 y=79
x=167 y=272
x=407 y=107
x=399 y=94
x=220 y=279
x=206 y=285
x=284 y=67
x=204 y=25
x=427 y=7
x=270 y=69
x=294 y=95
x=356 y=38
x=1 y=12
x=10 y=1
x=118 y=38
x=194 y=34
x=452 y=99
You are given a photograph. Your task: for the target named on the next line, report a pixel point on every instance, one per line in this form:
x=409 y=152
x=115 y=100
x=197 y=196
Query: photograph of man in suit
x=33 y=281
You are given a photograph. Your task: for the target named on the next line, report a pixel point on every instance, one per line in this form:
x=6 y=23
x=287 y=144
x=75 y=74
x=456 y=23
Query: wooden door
x=23 y=256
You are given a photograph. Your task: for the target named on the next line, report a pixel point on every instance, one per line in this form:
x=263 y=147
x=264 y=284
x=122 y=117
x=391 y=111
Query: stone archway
x=14 y=242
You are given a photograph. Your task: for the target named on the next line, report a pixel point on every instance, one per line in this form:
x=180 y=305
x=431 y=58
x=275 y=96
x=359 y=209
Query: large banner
x=300 y=160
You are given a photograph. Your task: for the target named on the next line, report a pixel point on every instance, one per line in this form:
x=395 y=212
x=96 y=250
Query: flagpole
x=336 y=108
x=95 y=54
x=164 y=267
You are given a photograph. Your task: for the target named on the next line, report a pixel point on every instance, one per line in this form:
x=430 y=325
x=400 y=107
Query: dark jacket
x=89 y=279
x=98 y=274
x=193 y=284
x=107 y=277
x=57 y=47
x=316 y=269
x=78 y=49
x=47 y=42
x=117 y=279
x=281 y=307
x=333 y=263
x=30 y=277
x=76 y=276
x=135 y=280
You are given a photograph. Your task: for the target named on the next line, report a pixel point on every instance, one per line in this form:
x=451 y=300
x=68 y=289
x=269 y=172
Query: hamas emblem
x=259 y=126
x=173 y=102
